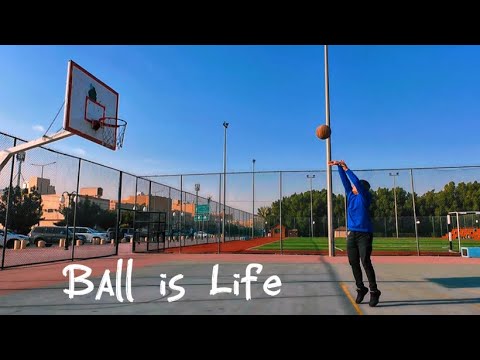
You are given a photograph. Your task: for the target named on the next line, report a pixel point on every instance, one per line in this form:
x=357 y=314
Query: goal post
x=466 y=224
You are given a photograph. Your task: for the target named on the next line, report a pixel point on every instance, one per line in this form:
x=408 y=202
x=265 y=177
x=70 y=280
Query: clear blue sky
x=391 y=106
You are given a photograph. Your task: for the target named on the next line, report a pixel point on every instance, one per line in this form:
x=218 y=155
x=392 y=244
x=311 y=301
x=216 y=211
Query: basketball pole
x=5 y=155
x=331 y=240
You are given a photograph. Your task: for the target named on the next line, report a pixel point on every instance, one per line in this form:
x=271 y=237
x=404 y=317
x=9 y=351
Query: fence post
x=5 y=228
x=414 y=212
x=149 y=209
x=281 y=240
x=119 y=212
x=181 y=214
x=219 y=205
x=77 y=197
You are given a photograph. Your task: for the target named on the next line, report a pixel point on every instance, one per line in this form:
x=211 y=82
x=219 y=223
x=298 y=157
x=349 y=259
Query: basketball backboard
x=91 y=108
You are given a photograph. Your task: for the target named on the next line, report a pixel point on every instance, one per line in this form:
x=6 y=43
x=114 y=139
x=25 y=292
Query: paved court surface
x=310 y=285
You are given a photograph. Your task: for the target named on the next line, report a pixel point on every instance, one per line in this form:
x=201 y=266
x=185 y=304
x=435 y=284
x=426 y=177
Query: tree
x=25 y=209
x=89 y=214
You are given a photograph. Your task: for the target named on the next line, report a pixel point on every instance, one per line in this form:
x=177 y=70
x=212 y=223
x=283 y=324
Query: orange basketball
x=323 y=132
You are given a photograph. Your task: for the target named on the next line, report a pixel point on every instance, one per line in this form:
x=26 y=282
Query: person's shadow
x=451 y=283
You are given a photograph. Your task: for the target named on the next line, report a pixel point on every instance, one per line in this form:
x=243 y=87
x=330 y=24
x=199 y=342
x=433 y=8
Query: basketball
x=323 y=132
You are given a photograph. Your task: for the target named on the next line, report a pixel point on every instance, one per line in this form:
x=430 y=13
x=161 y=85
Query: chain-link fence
x=55 y=207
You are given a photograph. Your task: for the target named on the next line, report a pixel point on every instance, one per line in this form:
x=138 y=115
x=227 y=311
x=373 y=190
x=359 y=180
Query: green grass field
x=379 y=244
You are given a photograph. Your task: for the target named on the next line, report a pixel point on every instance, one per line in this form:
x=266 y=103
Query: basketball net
x=112 y=130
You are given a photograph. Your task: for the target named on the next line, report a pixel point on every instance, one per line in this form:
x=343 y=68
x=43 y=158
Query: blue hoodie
x=358 y=205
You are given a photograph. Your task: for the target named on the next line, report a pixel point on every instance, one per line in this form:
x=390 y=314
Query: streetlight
x=71 y=195
x=253 y=199
x=20 y=158
x=41 y=176
x=311 y=177
x=395 y=199
x=225 y=125
x=313 y=226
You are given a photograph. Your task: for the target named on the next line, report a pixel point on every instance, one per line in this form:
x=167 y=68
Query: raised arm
x=361 y=190
x=341 y=172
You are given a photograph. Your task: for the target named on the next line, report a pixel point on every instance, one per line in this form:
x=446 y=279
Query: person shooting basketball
x=359 y=231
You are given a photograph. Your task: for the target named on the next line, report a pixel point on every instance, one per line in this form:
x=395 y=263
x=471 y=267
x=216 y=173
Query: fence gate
x=148 y=231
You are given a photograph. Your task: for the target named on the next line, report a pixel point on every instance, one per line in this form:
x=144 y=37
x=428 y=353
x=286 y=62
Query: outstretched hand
x=339 y=163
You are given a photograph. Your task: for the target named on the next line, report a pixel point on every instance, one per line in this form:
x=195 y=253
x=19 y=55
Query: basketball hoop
x=112 y=129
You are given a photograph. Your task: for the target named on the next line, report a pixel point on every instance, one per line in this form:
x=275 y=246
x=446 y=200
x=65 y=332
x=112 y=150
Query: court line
x=349 y=296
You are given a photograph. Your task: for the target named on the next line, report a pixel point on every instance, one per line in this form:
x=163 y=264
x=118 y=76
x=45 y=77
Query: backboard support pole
x=5 y=155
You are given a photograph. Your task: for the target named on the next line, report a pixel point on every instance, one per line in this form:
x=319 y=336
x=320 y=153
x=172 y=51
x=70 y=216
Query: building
x=42 y=185
x=340 y=232
x=276 y=231
x=157 y=203
x=96 y=192
x=51 y=202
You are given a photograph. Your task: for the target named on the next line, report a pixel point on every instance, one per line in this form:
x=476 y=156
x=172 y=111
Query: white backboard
x=87 y=100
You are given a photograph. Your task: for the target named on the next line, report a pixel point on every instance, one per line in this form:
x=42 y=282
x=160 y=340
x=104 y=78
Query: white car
x=11 y=237
x=201 y=235
x=90 y=233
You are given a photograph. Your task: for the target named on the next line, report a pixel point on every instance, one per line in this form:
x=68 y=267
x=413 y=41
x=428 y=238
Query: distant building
x=340 y=232
x=276 y=231
x=157 y=203
x=42 y=185
x=96 y=192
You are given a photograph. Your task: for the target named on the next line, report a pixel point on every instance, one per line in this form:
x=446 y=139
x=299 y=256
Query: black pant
x=359 y=247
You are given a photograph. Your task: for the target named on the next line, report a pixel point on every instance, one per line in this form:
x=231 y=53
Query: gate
x=148 y=231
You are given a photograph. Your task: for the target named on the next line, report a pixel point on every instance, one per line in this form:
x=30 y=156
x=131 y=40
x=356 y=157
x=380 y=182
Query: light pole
x=62 y=201
x=395 y=199
x=41 y=176
x=195 y=216
x=225 y=126
x=253 y=199
x=311 y=177
x=20 y=158
x=331 y=239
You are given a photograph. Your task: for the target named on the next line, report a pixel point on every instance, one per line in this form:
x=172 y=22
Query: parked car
x=201 y=235
x=90 y=233
x=11 y=237
x=52 y=235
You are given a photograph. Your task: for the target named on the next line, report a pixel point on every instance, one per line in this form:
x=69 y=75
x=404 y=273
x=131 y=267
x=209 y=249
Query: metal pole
x=119 y=212
x=395 y=199
x=345 y=205
x=253 y=200
x=225 y=125
x=331 y=239
x=219 y=208
x=134 y=225
x=20 y=158
x=181 y=212
x=195 y=216
x=75 y=209
x=310 y=177
x=5 y=228
x=433 y=225
x=169 y=223
x=449 y=229
x=458 y=232
x=414 y=212
x=281 y=242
